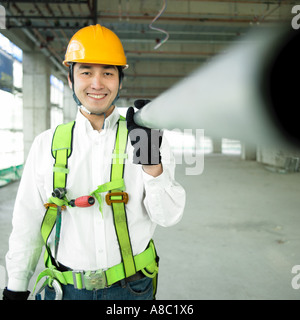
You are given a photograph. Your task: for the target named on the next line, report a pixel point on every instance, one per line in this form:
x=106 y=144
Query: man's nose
x=97 y=82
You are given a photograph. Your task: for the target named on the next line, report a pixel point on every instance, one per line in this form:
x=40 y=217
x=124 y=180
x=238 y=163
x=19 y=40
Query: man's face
x=96 y=85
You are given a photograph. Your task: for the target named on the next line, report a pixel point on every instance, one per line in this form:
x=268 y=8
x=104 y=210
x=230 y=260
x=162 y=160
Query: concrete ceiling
x=197 y=31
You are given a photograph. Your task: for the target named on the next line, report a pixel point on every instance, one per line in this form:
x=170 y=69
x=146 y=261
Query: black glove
x=13 y=295
x=145 y=141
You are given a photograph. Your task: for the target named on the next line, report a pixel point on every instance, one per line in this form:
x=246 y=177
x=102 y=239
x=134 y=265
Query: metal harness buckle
x=109 y=201
x=95 y=280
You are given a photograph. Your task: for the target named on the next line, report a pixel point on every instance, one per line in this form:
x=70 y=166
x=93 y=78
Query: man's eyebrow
x=106 y=67
x=109 y=67
x=84 y=66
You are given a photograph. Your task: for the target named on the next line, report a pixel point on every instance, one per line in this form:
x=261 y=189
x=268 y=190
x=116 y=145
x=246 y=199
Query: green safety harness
x=116 y=197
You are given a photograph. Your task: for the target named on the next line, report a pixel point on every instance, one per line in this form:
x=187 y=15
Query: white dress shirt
x=88 y=238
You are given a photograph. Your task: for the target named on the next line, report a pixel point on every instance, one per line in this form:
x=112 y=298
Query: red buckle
x=109 y=201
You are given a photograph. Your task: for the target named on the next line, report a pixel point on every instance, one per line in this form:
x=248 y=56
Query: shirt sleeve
x=164 y=197
x=25 y=242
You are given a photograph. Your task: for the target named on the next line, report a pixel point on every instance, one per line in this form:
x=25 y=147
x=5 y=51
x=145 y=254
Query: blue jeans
x=136 y=290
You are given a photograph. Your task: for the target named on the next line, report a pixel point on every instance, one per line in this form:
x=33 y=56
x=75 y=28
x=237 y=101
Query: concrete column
x=248 y=151
x=69 y=105
x=217 y=145
x=36 y=97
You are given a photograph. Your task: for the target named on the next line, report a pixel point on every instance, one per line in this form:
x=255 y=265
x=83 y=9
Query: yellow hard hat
x=95 y=44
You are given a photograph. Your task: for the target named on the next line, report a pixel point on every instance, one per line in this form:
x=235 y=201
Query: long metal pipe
x=248 y=93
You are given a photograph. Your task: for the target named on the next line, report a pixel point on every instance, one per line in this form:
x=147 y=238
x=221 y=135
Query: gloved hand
x=13 y=295
x=145 y=141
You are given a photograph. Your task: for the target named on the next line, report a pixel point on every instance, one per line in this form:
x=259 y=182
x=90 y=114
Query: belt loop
x=78 y=280
x=123 y=283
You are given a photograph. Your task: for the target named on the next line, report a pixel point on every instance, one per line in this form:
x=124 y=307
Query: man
x=95 y=249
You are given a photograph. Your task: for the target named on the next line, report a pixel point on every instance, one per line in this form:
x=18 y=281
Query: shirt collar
x=83 y=123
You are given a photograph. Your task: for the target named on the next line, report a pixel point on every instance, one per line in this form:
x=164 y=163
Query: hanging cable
x=158 y=29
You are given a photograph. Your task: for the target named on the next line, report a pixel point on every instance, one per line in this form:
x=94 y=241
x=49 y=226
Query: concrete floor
x=239 y=237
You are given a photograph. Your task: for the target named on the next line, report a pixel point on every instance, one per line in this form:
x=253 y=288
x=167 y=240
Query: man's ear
x=69 y=81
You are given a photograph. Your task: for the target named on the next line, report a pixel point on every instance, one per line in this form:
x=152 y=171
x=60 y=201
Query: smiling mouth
x=97 y=96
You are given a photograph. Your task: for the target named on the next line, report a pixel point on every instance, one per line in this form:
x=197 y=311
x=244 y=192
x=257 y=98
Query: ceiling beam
x=46 y=1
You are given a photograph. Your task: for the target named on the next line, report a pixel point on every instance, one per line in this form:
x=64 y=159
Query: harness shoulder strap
x=118 y=206
x=61 y=150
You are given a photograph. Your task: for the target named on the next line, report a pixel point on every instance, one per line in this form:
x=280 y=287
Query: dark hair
x=121 y=74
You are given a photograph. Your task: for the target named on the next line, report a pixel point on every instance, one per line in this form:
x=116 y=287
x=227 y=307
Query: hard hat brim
x=68 y=63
